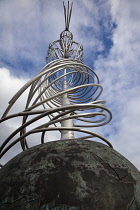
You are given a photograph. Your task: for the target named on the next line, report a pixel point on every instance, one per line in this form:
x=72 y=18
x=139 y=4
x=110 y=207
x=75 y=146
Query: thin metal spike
x=64 y=13
x=67 y=26
x=70 y=12
x=67 y=14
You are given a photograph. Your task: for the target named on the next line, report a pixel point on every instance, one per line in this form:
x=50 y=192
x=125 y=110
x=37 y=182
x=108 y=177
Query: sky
x=109 y=31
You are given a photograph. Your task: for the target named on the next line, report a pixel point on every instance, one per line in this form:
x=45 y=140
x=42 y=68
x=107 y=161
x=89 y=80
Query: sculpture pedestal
x=70 y=174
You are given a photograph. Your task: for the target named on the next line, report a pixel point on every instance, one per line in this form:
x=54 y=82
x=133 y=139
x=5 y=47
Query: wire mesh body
x=65 y=47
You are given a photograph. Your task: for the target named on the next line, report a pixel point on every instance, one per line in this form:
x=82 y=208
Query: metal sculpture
x=68 y=91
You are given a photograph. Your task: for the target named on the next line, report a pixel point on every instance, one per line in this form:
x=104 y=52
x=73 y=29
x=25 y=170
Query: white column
x=65 y=134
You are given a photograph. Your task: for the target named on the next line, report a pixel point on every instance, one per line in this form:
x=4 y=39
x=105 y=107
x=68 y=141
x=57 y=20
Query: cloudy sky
x=109 y=30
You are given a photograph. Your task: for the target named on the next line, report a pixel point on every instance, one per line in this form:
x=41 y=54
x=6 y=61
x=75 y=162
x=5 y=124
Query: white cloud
x=9 y=84
x=120 y=76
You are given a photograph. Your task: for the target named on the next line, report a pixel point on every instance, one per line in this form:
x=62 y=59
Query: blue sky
x=109 y=30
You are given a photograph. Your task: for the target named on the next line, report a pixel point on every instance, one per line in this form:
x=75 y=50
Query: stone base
x=70 y=174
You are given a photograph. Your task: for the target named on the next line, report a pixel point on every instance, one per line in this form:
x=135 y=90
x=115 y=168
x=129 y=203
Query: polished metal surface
x=67 y=89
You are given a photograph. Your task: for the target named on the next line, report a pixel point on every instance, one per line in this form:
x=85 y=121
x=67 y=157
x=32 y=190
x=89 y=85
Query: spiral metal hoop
x=83 y=90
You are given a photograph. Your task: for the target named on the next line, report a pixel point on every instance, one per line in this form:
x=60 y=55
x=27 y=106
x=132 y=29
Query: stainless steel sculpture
x=68 y=91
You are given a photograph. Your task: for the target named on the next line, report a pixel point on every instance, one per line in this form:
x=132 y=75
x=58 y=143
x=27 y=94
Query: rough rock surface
x=71 y=174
